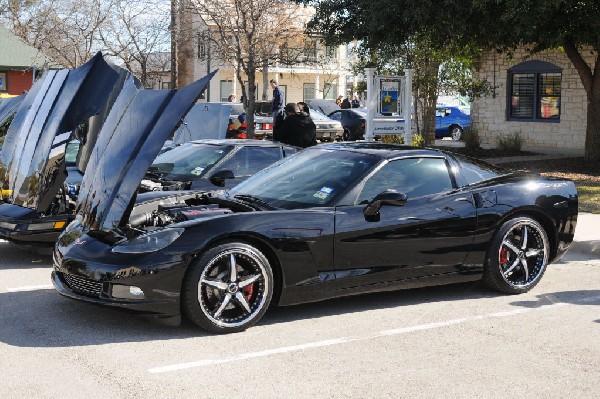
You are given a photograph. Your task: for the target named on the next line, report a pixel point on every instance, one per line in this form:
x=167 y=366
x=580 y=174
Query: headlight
x=149 y=242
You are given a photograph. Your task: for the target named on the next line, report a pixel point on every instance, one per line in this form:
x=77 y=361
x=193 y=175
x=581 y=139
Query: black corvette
x=330 y=221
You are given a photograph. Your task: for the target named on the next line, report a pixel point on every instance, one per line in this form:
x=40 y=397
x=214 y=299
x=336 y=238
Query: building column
x=318 y=91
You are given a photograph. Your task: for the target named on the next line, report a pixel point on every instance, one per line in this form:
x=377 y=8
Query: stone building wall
x=489 y=114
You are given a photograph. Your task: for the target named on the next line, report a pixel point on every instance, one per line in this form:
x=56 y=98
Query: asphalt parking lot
x=454 y=341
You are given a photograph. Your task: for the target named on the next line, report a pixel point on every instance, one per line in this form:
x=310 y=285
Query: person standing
x=338 y=100
x=345 y=103
x=355 y=102
x=297 y=129
x=277 y=105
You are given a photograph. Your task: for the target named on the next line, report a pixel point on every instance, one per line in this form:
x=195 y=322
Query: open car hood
x=131 y=137
x=95 y=123
x=32 y=159
x=204 y=121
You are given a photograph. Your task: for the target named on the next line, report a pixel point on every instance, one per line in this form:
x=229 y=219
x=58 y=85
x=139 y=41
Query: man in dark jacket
x=296 y=129
x=277 y=105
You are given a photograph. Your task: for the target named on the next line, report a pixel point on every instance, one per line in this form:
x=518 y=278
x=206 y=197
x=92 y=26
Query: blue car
x=451 y=121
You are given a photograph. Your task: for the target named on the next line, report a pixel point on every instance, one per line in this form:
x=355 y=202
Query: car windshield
x=313 y=177
x=190 y=159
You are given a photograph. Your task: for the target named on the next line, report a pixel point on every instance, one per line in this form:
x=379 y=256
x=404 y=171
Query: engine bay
x=149 y=213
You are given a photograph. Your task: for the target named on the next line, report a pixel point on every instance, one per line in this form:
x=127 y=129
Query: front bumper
x=24 y=226
x=77 y=277
x=85 y=290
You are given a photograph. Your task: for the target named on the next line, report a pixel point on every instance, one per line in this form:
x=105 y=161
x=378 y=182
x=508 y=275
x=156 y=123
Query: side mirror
x=218 y=178
x=388 y=197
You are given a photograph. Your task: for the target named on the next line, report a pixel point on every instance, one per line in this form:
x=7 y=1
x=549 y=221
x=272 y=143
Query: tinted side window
x=414 y=176
x=249 y=160
x=474 y=171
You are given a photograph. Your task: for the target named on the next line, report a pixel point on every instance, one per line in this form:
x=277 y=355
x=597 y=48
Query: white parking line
x=30 y=288
x=344 y=340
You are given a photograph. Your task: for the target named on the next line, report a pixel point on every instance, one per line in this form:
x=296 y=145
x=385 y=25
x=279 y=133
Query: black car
x=333 y=220
x=353 y=122
x=32 y=162
x=211 y=164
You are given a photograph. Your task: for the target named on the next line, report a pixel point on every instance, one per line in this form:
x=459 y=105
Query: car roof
x=238 y=142
x=382 y=149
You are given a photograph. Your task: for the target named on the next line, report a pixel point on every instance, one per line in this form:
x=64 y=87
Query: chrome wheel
x=233 y=288
x=518 y=256
x=456 y=132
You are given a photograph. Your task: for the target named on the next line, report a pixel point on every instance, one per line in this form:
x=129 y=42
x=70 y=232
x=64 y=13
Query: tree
x=250 y=35
x=568 y=25
x=436 y=71
x=64 y=30
x=137 y=35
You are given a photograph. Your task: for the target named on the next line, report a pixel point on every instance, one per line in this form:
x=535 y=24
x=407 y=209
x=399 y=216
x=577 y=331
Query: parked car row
x=327 y=128
x=349 y=124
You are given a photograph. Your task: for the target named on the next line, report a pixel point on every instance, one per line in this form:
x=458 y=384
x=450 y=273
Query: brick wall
x=19 y=81
x=489 y=113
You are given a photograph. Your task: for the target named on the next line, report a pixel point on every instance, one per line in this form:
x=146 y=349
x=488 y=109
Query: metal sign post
x=371 y=104
x=408 y=75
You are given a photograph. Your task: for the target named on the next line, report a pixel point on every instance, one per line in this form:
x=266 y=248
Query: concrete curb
x=587 y=235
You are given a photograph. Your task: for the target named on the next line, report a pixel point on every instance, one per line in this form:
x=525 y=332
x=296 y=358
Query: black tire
x=517 y=257
x=223 y=294
x=456 y=132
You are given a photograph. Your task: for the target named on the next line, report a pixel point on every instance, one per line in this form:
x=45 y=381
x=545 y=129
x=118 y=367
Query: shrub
x=392 y=138
x=471 y=139
x=417 y=140
x=511 y=143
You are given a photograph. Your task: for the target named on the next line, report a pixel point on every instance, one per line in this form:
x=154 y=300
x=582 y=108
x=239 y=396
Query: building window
x=166 y=85
x=534 y=92
x=308 y=91
x=330 y=91
x=226 y=89
x=331 y=52
x=3 y=82
x=310 y=51
x=202 y=45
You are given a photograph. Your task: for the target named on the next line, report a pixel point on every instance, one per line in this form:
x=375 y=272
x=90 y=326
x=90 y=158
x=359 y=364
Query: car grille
x=83 y=285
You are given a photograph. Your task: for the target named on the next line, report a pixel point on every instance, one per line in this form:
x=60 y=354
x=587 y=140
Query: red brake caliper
x=503 y=255
x=248 y=291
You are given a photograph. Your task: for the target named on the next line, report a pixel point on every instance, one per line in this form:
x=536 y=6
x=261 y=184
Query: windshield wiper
x=254 y=200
